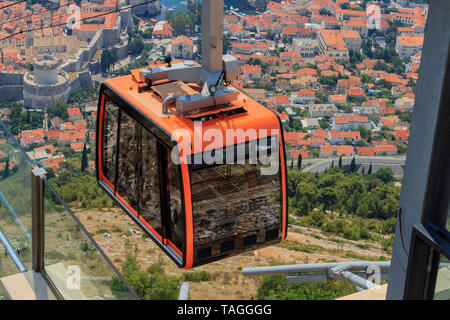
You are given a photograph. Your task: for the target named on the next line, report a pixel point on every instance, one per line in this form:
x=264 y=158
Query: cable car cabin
x=187 y=195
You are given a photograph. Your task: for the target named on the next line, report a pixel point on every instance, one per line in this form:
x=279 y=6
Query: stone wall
x=14 y=92
x=11 y=78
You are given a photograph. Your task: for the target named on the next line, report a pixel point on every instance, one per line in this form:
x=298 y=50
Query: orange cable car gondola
x=197 y=164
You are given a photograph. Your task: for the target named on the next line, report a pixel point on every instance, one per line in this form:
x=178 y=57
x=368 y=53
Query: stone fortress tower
x=45 y=85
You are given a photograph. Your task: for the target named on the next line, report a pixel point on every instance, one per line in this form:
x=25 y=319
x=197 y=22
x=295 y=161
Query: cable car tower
x=197 y=164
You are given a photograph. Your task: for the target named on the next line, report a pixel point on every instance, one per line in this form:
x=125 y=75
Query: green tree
x=6 y=171
x=370 y=169
x=353 y=165
x=299 y=162
x=59 y=109
x=340 y=162
x=84 y=159
x=385 y=174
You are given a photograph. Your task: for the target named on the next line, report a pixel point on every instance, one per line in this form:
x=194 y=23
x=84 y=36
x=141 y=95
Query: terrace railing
x=41 y=234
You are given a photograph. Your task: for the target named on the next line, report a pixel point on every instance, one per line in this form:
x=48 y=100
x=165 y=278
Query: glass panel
x=128 y=160
x=110 y=141
x=75 y=265
x=234 y=199
x=176 y=209
x=15 y=196
x=7 y=265
x=150 y=208
x=442 y=289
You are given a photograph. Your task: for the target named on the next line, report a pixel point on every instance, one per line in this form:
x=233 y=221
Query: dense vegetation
x=274 y=287
x=185 y=22
x=21 y=119
x=366 y=196
x=82 y=189
x=152 y=284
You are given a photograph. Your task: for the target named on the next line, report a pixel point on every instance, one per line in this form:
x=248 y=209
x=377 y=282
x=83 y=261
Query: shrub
x=197 y=276
x=275 y=288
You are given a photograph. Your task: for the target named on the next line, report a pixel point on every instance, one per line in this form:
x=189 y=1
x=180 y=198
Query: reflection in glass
x=128 y=160
x=442 y=289
x=150 y=208
x=72 y=261
x=234 y=201
x=110 y=141
x=175 y=208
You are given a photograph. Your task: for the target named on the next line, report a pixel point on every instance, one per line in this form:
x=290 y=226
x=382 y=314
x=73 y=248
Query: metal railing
x=357 y=272
x=59 y=247
x=60 y=256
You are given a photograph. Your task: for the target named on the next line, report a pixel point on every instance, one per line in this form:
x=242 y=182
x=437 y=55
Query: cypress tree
x=292 y=163
x=340 y=162
x=370 y=169
x=363 y=171
x=6 y=171
x=84 y=159
x=353 y=165
x=332 y=164
x=299 y=162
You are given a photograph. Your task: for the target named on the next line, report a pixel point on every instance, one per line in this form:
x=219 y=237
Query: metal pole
x=358 y=281
x=184 y=291
x=315 y=267
x=37 y=218
x=9 y=249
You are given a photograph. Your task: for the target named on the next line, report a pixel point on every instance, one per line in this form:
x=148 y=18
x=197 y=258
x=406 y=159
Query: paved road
x=396 y=163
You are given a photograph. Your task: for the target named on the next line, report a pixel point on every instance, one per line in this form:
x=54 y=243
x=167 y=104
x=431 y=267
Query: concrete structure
x=308 y=48
x=321 y=110
x=182 y=47
x=408 y=45
x=46 y=85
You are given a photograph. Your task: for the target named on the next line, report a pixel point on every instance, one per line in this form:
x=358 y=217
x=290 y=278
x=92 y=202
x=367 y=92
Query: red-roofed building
x=77 y=146
x=344 y=84
x=337 y=98
x=65 y=138
x=367 y=151
x=320 y=133
x=351 y=122
x=163 y=30
x=303 y=96
x=295 y=138
x=356 y=92
x=49 y=148
x=390 y=122
x=295 y=154
x=282 y=101
x=408 y=45
x=28 y=137
x=387 y=149
x=337 y=137
x=53 y=163
x=329 y=150
x=52 y=134
x=401 y=135
x=182 y=47
x=251 y=72
x=74 y=113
